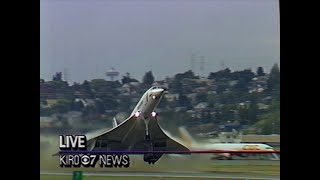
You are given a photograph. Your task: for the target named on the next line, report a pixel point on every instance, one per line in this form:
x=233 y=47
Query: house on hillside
x=192 y=97
x=262 y=106
x=201 y=90
x=85 y=102
x=201 y=106
x=171 y=97
x=80 y=94
x=129 y=88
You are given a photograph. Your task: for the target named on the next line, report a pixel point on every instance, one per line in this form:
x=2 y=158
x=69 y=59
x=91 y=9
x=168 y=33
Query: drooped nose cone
x=157 y=92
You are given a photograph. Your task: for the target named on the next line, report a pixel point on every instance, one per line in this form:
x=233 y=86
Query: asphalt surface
x=171 y=174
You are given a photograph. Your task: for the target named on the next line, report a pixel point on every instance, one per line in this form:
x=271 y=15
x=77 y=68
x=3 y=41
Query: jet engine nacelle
x=137 y=114
x=154 y=114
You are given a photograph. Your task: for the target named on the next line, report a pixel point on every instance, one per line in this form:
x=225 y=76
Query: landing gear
x=147 y=137
x=150 y=158
x=151 y=162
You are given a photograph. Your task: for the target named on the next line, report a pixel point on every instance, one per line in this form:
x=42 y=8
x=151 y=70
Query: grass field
x=55 y=177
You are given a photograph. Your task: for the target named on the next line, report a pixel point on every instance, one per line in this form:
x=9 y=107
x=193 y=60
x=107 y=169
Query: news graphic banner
x=74 y=153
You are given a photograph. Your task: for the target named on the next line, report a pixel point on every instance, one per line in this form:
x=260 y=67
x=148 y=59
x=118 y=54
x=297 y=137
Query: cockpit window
x=269 y=148
x=156 y=87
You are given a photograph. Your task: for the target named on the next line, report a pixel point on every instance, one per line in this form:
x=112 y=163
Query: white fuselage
x=235 y=146
x=196 y=145
x=148 y=102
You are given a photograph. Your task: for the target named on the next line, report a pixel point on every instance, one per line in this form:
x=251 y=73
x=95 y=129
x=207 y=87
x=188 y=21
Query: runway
x=194 y=174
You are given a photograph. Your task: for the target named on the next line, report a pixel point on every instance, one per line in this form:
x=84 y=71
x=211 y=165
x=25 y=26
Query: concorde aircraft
x=139 y=132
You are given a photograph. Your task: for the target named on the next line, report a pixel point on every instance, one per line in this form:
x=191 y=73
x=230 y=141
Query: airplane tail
x=114 y=122
x=275 y=156
x=186 y=137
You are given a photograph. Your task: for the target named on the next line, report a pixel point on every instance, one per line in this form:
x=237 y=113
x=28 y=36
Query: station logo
x=74 y=153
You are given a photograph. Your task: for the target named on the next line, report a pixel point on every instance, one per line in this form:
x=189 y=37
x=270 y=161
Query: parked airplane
x=192 y=144
x=140 y=132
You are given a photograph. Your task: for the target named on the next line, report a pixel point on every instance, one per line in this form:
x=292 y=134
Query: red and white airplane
x=229 y=150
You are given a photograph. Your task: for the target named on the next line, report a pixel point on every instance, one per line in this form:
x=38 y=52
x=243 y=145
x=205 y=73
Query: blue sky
x=85 y=38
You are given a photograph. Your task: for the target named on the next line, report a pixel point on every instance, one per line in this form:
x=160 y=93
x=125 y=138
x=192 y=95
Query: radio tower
x=222 y=65
x=202 y=66
x=65 y=74
x=192 y=63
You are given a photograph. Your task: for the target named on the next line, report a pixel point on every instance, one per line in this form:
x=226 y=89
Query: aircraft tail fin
x=114 y=122
x=275 y=156
x=186 y=137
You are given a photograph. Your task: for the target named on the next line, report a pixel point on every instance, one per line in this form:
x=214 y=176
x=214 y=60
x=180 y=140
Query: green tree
x=76 y=86
x=184 y=101
x=57 y=77
x=45 y=111
x=89 y=112
x=241 y=86
x=253 y=113
x=226 y=114
x=175 y=86
x=163 y=103
x=221 y=87
x=58 y=83
x=100 y=106
x=223 y=74
x=86 y=88
x=100 y=85
x=110 y=103
x=269 y=123
x=243 y=116
x=127 y=79
x=148 y=78
x=274 y=78
x=188 y=74
x=201 y=97
x=62 y=106
x=260 y=71
x=125 y=105
x=77 y=106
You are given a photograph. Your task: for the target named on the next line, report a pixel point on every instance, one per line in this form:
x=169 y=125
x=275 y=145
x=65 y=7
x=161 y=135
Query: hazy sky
x=84 y=38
